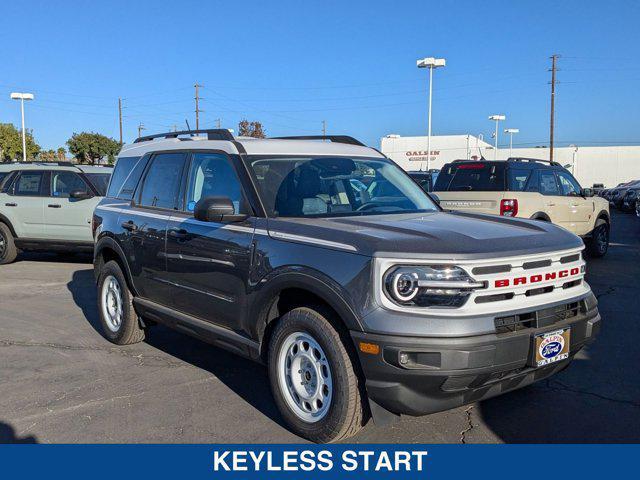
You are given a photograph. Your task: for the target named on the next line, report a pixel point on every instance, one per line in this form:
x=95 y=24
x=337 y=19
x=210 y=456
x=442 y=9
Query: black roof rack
x=524 y=159
x=212 y=134
x=332 y=138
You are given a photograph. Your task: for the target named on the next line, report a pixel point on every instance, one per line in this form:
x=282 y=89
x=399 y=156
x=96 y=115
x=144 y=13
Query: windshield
x=100 y=181
x=336 y=186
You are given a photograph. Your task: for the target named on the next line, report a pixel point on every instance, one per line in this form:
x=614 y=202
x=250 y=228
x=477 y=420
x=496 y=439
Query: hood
x=454 y=235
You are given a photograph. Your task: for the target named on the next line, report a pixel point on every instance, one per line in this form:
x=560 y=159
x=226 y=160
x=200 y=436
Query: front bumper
x=435 y=374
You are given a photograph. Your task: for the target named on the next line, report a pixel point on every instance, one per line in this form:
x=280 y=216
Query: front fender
x=299 y=277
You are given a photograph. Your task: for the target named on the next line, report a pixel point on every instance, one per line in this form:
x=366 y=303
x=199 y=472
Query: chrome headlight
x=429 y=285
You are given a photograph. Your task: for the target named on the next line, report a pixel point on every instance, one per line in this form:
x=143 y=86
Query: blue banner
x=520 y=462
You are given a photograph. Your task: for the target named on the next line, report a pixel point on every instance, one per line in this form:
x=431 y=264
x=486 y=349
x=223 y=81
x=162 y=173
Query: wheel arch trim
x=107 y=242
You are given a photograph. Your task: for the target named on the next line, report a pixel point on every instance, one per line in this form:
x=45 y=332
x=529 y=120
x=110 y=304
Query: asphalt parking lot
x=60 y=381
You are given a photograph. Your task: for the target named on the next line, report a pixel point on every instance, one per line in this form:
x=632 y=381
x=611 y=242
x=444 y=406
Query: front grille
x=536 y=319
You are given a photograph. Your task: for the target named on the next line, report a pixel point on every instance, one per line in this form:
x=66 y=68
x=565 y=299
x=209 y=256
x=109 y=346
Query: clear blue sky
x=292 y=64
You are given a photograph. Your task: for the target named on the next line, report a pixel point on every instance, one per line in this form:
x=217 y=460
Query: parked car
x=526 y=188
x=629 y=199
x=598 y=188
x=48 y=206
x=616 y=195
x=621 y=192
x=426 y=179
x=357 y=304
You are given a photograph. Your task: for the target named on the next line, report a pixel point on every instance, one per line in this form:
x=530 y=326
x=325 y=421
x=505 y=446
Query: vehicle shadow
x=244 y=377
x=8 y=435
x=55 y=257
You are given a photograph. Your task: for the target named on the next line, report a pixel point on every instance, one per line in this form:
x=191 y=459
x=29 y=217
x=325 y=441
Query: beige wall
x=608 y=165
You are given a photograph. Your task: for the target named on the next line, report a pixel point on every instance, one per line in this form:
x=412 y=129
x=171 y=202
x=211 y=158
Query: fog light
x=403 y=358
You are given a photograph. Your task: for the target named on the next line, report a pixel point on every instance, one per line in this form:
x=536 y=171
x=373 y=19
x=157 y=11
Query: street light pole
x=511 y=131
x=22 y=97
x=497 y=119
x=430 y=63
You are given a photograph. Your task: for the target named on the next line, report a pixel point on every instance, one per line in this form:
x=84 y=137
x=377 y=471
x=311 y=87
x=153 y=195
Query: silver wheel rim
x=111 y=302
x=602 y=239
x=304 y=377
x=3 y=245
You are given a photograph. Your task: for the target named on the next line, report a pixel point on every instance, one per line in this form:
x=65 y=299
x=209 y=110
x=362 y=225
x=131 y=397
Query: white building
x=607 y=165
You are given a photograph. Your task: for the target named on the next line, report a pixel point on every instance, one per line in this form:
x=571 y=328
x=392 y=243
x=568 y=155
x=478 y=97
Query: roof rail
x=524 y=159
x=59 y=164
x=332 y=138
x=212 y=134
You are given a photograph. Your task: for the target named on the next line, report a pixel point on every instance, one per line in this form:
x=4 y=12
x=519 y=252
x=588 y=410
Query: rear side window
x=548 y=184
x=518 y=178
x=125 y=177
x=162 y=181
x=471 y=177
x=29 y=184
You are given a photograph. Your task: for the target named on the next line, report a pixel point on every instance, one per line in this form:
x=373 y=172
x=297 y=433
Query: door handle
x=132 y=227
x=10 y=204
x=54 y=205
x=178 y=233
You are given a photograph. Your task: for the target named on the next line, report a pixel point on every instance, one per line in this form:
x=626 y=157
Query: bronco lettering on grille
x=506 y=282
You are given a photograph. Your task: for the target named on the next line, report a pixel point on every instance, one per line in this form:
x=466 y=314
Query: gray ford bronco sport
x=321 y=258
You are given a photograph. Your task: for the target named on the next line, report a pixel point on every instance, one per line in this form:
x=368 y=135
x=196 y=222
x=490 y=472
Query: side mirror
x=80 y=195
x=217 y=209
x=587 y=192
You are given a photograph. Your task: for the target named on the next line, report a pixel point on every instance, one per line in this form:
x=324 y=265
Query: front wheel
x=598 y=244
x=313 y=378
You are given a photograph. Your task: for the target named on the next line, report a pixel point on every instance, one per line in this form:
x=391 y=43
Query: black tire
x=598 y=244
x=127 y=330
x=8 y=250
x=346 y=413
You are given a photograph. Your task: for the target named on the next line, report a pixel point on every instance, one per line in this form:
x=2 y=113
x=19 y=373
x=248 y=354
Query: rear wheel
x=313 y=379
x=598 y=244
x=118 y=318
x=8 y=250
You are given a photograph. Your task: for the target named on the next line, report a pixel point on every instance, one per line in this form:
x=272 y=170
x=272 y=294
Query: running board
x=201 y=329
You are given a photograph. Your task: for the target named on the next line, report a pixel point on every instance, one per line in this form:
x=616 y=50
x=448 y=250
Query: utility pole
x=120 y=117
x=197 y=97
x=554 y=59
x=175 y=127
x=324 y=128
x=141 y=127
x=218 y=123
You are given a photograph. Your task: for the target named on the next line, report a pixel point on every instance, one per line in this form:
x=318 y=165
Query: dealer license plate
x=552 y=347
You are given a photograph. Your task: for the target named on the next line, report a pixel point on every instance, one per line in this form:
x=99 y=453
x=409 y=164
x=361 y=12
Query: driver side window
x=211 y=174
x=568 y=185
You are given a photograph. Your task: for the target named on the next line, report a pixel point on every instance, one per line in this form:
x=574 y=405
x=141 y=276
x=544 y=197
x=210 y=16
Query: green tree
x=89 y=147
x=61 y=153
x=11 y=143
x=47 y=156
x=250 y=129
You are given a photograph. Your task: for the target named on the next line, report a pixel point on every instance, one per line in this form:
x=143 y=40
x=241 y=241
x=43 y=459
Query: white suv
x=48 y=206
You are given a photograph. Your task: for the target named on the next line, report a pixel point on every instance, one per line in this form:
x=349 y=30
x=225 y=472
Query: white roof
x=253 y=146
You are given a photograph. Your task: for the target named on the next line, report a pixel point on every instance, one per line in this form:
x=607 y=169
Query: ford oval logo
x=551 y=349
